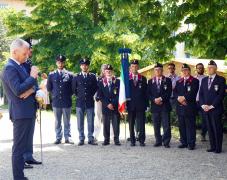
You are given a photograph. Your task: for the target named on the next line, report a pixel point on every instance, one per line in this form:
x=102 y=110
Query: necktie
x=159 y=84
x=109 y=86
x=23 y=68
x=85 y=75
x=134 y=81
x=210 y=82
x=185 y=81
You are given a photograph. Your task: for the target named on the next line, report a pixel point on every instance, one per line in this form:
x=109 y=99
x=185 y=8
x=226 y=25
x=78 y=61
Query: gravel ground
x=70 y=162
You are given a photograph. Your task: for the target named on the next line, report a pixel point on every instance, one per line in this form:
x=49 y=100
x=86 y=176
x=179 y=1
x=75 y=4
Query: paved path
x=70 y=162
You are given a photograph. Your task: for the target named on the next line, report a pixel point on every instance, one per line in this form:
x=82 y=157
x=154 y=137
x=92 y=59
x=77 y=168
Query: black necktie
x=61 y=74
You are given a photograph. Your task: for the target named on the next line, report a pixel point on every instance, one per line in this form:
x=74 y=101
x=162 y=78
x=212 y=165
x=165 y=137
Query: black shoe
x=81 y=143
x=142 y=144
x=117 y=143
x=157 y=144
x=182 y=146
x=210 y=150
x=128 y=139
x=191 y=148
x=133 y=144
x=92 y=142
x=69 y=141
x=105 y=143
x=58 y=141
x=167 y=146
x=217 y=151
x=203 y=139
x=33 y=162
x=137 y=139
x=25 y=178
x=27 y=166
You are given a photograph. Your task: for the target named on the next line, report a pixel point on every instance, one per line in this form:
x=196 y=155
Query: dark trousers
x=28 y=155
x=107 y=118
x=21 y=128
x=164 y=119
x=204 y=123
x=187 y=128
x=138 y=118
x=215 y=131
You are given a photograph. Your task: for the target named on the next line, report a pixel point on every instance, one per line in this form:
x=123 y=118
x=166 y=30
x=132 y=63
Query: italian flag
x=122 y=95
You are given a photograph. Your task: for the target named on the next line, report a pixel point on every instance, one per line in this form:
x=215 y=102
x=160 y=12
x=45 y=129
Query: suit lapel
x=213 y=82
x=20 y=70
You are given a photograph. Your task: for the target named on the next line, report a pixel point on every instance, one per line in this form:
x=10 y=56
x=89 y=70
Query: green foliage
x=4 y=44
x=95 y=29
x=209 y=37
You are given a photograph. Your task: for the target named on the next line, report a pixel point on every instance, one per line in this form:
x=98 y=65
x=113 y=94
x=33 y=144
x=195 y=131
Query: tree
x=208 y=38
x=96 y=29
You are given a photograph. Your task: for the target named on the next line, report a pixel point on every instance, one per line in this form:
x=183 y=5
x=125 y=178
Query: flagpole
x=124 y=85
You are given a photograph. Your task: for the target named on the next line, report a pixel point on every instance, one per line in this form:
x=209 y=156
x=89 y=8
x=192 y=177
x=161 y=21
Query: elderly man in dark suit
x=186 y=91
x=159 y=91
x=19 y=87
x=108 y=92
x=138 y=103
x=212 y=92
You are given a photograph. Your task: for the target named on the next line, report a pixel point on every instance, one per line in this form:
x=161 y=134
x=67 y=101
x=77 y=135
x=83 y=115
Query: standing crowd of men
x=187 y=94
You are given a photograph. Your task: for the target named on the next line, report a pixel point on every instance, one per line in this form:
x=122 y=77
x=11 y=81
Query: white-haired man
x=19 y=88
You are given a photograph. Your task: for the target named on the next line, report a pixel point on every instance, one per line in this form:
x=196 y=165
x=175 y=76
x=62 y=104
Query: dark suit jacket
x=16 y=81
x=28 y=65
x=109 y=97
x=60 y=88
x=84 y=89
x=213 y=96
x=189 y=91
x=138 y=93
x=165 y=93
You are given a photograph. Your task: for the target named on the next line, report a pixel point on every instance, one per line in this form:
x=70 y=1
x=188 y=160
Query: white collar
x=212 y=76
x=109 y=80
x=59 y=71
x=84 y=73
x=16 y=61
x=173 y=75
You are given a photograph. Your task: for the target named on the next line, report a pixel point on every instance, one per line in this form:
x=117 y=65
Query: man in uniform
x=28 y=155
x=159 y=91
x=108 y=92
x=138 y=104
x=200 y=75
x=59 y=84
x=212 y=92
x=186 y=91
x=84 y=87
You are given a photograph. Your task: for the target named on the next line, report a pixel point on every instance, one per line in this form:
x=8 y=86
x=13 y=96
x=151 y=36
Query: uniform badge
x=165 y=86
x=216 y=87
x=115 y=91
x=65 y=77
x=140 y=85
x=189 y=88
